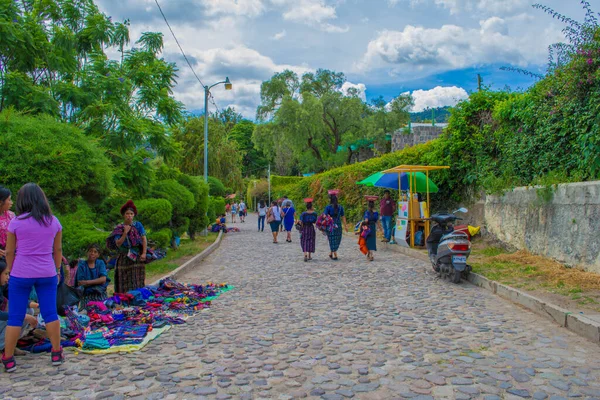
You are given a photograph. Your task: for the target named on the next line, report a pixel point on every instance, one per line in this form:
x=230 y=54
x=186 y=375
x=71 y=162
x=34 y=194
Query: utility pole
x=433 y=117
x=269 y=178
x=479 y=82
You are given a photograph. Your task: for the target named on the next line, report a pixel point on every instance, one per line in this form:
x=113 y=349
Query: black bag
x=66 y=296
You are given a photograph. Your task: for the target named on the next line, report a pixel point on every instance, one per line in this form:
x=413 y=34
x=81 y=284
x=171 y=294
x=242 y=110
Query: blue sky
x=432 y=48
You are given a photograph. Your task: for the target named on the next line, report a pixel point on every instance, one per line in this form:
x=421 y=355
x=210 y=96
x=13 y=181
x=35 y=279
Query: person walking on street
x=37 y=234
x=242 y=211
x=289 y=217
x=336 y=212
x=387 y=207
x=274 y=219
x=261 y=210
x=308 y=234
x=234 y=211
x=372 y=218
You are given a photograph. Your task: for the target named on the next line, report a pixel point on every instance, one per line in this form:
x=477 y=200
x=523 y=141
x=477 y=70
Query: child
x=30 y=321
x=363 y=232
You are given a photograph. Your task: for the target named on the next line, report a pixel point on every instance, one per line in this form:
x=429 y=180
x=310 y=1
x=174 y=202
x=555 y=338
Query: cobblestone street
x=336 y=330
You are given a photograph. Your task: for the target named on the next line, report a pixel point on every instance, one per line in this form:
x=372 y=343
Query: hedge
x=55 y=155
x=285 y=180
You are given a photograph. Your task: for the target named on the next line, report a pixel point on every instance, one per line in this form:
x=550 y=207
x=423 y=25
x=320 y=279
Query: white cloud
x=313 y=13
x=453 y=47
x=248 y=8
x=438 y=97
x=247 y=69
x=360 y=87
x=480 y=7
x=279 y=35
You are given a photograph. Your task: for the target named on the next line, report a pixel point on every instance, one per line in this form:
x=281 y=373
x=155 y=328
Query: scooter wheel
x=456 y=275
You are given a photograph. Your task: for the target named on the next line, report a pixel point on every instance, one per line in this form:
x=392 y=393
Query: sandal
x=305 y=259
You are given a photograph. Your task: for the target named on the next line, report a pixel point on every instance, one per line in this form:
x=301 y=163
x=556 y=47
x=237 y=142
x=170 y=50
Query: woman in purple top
x=33 y=255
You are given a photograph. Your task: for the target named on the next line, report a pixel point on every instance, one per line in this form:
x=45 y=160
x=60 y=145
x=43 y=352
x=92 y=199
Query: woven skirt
x=129 y=275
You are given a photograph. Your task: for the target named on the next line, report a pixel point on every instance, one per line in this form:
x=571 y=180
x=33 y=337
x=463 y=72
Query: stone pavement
x=336 y=330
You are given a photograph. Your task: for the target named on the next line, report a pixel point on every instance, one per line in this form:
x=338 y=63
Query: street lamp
x=228 y=86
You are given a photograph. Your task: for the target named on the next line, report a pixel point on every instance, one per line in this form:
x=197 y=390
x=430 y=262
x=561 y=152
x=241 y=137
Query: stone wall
x=562 y=223
x=420 y=133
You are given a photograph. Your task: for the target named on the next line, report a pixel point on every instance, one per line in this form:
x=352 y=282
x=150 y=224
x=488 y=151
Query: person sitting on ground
x=92 y=276
x=30 y=321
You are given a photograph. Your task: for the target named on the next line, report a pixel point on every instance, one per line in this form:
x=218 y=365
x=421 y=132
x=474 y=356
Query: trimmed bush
x=178 y=195
x=219 y=204
x=211 y=213
x=80 y=230
x=57 y=156
x=154 y=213
x=161 y=238
x=285 y=180
x=217 y=188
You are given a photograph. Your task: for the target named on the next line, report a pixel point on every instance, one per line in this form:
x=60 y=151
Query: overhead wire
x=178 y=44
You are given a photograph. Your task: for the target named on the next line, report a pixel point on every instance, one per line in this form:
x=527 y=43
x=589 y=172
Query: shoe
x=335 y=258
x=10 y=365
x=57 y=357
x=305 y=259
x=331 y=256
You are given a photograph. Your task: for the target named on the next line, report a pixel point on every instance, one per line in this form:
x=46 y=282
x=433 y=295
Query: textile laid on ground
x=127 y=322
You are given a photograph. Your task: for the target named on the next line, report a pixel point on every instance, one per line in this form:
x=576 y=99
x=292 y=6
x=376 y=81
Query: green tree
x=254 y=161
x=224 y=157
x=316 y=122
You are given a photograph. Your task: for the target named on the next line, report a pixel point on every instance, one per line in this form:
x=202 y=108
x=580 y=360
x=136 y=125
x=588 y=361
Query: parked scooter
x=449 y=249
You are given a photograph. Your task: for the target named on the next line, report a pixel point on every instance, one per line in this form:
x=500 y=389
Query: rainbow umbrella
x=390 y=181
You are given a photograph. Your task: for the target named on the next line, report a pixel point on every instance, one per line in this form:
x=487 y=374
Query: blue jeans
x=261 y=223
x=386 y=221
x=20 y=288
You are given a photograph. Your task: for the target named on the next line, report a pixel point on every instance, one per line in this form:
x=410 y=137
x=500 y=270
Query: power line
x=177 y=41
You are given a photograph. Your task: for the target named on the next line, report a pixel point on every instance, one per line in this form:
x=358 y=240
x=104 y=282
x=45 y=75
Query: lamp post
x=228 y=86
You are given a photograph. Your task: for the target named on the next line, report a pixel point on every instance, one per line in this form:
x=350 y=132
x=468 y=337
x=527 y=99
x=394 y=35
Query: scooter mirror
x=462 y=210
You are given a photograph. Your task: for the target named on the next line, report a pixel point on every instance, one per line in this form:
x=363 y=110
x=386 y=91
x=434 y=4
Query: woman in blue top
x=92 y=276
x=289 y=217
x=336 y=212
x=372 y=218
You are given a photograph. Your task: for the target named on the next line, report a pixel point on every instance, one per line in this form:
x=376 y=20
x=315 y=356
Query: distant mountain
x=441 y=115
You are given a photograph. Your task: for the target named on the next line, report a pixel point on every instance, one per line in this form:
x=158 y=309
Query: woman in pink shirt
x=33 y=255
x=5 y=217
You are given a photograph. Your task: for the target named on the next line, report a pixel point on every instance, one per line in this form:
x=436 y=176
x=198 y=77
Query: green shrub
x=211 y=213
x=285 y=180
x=161 y=238
x=219 y=204
x=178 y=195
x=154 y=213
x=57 y=156
x=197 y=217
x=217 y=188
x=80 y=229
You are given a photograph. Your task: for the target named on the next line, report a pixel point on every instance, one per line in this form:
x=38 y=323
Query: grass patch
x=175 y=258
x=526 y=271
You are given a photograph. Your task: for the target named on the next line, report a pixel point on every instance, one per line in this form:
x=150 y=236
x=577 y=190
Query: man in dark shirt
x=387 y=209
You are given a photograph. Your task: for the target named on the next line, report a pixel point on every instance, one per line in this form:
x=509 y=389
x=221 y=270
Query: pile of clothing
x=130 y=319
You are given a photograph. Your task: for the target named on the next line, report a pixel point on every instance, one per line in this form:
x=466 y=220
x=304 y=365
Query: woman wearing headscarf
x=336 y=212
x=129 y=239
x=307 y=231
x=372 y=218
